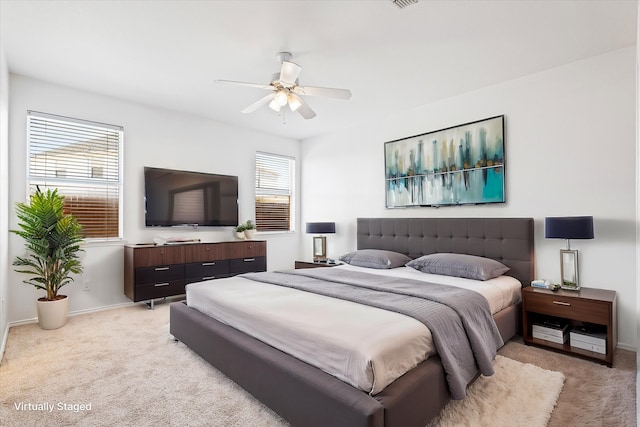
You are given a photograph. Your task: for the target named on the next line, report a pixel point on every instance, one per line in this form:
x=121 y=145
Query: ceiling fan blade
x=289 y=73
x=305 y=111
x=259 y=103
x=327 y=92
x=258 y=85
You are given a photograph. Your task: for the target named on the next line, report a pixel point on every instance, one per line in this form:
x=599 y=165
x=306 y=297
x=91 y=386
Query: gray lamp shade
x=321 y=227
x=568 y=227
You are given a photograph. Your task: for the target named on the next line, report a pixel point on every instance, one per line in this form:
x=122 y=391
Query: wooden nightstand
x=311 y=264
x=588 y=305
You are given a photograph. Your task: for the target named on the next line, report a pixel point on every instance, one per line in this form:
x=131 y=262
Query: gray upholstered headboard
x=508 y=240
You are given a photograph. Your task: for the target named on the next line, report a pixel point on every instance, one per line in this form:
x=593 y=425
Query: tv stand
x=152 y=272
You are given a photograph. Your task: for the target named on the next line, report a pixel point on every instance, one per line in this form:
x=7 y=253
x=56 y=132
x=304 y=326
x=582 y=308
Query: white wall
x=152 y=137
x=4 y=196
x=570 y=150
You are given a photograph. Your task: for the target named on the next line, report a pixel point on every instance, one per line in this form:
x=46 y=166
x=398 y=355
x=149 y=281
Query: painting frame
x=464 y=165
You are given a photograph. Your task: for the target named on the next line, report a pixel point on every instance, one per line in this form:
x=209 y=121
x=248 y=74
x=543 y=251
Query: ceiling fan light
x=275 y=105
x=294 y=101
x=281 y=97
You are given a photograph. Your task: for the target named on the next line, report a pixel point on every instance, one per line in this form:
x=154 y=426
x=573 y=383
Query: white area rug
x=518 y=394
x=121 y=367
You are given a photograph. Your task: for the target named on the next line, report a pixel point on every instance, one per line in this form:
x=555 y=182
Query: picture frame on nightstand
x=569 y=270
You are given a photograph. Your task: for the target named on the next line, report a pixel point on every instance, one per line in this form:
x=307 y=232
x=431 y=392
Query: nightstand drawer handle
x=249 y=259
x=161 y=268
x=562 y=303
x=208 y=263
x=157 y=285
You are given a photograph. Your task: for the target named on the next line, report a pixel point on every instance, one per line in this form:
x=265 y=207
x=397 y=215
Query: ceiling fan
x=286 y=91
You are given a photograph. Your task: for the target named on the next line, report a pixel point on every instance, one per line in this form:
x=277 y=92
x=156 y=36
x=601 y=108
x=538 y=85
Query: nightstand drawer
x=569 y=307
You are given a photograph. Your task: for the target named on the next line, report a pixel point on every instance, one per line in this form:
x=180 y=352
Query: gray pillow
x=375 y=258
x=459 y=265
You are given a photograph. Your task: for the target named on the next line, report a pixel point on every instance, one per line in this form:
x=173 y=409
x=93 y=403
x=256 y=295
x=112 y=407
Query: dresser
x=152 y=272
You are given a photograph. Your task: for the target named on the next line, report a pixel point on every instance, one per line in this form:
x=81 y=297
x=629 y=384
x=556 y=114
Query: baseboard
x=626 y=346
x=75 y=313
x=3 y=344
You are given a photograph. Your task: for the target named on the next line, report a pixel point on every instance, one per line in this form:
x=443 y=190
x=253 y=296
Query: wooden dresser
x=162 y=271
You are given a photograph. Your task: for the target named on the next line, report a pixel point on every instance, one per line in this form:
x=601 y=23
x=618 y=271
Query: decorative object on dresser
x=589 y=313
x=152 y=272
x=320 y=242
x=246 y=230
x=52 y=239
x=569 y=227
x=458 y=165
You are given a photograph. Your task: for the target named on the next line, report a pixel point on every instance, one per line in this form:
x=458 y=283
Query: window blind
x=274 y=192
x=82 y=160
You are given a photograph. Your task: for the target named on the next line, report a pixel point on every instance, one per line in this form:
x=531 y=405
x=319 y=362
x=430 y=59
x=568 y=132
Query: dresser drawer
x=207 y=270
x=248 y=265
x=165 y=273
x=203 y=252
x=159 y=290
x=569 y=307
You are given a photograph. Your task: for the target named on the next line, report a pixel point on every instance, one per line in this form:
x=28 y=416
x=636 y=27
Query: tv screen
x=181 y=198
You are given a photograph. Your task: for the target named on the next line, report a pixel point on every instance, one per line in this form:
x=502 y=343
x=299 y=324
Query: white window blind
x=275 y=189
x=83 y=161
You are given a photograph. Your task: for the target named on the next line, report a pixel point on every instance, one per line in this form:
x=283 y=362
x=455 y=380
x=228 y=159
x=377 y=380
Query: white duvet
x=363 y=346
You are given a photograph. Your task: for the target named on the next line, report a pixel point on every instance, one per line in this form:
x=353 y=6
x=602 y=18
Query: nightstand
x=311 y=264
x=586 y=306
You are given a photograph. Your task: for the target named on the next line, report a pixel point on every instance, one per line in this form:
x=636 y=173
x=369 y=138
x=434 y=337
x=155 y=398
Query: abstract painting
x=459 y=165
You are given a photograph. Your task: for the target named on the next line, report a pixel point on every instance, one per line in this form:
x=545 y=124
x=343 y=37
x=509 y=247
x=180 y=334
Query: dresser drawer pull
x=157 y=285
x=161 y=268
x=562 y=303
x=208 y=263
x=249 y=259
x=208 y=277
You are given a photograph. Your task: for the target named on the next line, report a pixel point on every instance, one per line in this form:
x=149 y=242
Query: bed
x=305 y=395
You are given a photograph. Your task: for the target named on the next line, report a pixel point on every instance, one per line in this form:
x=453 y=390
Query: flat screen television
x=180 y=198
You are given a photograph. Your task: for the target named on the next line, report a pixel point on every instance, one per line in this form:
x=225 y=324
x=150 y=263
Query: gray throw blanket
x=464 y=333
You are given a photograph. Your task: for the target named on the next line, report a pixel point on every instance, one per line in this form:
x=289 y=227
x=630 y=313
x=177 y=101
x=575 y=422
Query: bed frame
x=306 y=396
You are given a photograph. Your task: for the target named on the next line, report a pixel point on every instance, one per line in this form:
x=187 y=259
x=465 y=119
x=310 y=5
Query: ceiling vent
x=404 y=3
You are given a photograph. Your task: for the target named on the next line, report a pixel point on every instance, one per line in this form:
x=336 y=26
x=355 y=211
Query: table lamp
x=320 y=242
x=569 y=227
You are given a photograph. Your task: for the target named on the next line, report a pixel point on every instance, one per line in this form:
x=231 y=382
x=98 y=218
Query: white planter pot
x=240 y=235
x=249 y=234
x=53 y=314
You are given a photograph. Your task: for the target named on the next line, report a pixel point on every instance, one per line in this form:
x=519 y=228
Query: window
x=83 y=161
x=275 y=189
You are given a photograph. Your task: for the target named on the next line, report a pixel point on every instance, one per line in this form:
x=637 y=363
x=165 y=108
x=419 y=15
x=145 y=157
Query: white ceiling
x=169 y=53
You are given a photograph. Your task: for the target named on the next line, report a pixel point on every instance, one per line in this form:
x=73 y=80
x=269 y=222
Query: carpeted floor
x=121 y=367
x=593 y=394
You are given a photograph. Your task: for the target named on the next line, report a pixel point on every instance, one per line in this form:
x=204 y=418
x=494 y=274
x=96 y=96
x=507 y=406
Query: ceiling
x=169 y=53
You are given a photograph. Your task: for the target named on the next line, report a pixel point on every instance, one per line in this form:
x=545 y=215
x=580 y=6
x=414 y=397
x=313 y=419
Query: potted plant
x=249 y=229
x=240 y=231
x=52 y=239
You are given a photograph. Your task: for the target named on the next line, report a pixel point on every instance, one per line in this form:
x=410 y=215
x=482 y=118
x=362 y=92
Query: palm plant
x=53 y=241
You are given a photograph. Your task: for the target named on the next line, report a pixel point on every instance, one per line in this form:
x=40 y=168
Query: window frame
x=261 y=191
x=51 y=181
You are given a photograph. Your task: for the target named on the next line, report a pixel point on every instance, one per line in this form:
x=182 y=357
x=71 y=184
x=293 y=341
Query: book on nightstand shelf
x=551 y=329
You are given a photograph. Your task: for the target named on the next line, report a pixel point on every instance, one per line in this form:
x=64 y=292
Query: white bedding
x=363 y=346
